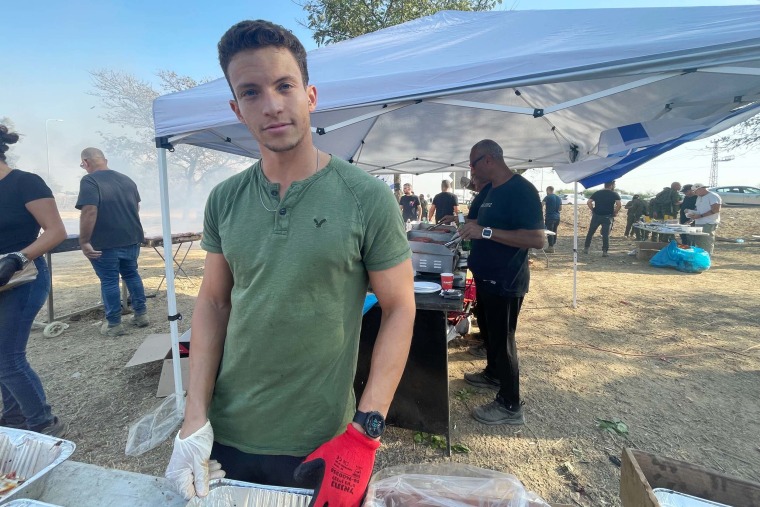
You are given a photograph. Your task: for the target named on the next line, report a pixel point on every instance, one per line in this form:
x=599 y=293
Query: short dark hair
x=6 y=138
x=608 y=184
x=260 y=34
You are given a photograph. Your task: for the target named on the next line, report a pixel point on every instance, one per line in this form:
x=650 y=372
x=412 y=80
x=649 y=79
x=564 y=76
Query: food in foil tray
x=9 y=482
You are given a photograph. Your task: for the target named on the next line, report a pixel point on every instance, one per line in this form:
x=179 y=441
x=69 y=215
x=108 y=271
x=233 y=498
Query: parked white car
x=739 y=195
x=625 y=199
x=568 y=199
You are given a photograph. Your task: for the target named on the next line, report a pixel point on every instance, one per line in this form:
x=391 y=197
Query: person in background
x=509 y=223
x=277 y=320
x=706 y=215
x=110 y=234
x=636 y=209
x=604 y=205
x=424 y=206
x=553 y=207
x=482 y=189
x=689 y=203
x=26 y=206
x=443 y=204
x=409 y=204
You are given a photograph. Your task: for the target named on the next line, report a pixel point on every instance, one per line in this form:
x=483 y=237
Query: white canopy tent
x=590 y=93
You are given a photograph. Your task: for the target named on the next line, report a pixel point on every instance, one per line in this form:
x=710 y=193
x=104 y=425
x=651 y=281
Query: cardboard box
x=158 y=347
x=642 y=472
x=647 y=249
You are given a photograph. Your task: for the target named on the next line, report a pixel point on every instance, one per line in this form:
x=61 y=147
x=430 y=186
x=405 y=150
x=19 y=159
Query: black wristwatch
x=22 y=258
x=372 y=422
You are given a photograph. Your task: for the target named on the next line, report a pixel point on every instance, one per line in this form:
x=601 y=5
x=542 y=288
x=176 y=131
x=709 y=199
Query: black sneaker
x=496 y=413
x=57 y=428
x=480 y=379
x=20 y=425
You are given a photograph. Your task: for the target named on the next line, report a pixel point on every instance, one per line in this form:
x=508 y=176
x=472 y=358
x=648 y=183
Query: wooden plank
x=661 y=472
x=634 y=487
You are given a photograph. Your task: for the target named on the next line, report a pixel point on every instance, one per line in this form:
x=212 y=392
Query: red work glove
x=339 y=470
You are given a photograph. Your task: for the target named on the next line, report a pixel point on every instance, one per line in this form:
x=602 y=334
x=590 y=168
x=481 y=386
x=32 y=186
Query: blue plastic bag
x=690 y=260
x=369 y=301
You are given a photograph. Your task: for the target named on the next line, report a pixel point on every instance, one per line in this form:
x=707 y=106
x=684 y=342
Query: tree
x=10 y=158
x=337 y=20
x=128 y=103
x=746 y=135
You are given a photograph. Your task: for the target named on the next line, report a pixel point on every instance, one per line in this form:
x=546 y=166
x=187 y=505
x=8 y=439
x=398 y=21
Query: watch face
x=374 y=425
x=487 y=233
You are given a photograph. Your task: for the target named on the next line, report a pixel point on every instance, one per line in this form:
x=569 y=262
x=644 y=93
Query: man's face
x=407 y=190
x=702 y=191
x=479 y=168
x=676 y=186
x=85 y=164
x=270 y=97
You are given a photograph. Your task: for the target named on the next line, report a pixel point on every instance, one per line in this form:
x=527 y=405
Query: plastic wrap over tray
x=670 y=498
x=447 y=485
x=31 y=456
x=226 y=492
x=25 y=502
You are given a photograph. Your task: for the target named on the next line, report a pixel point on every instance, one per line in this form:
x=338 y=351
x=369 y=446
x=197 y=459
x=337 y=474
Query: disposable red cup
x=447 y=281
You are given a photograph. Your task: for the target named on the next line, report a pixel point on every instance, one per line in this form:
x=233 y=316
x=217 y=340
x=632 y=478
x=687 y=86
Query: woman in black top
x=26 y=205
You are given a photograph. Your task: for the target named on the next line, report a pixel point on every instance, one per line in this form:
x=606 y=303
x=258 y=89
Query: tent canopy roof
x=592 y=93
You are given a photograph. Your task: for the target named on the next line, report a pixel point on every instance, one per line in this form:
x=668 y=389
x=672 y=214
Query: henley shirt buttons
x=283 y=211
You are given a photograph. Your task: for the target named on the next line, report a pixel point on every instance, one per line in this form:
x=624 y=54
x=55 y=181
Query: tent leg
x=171 y=297
x=575 y=245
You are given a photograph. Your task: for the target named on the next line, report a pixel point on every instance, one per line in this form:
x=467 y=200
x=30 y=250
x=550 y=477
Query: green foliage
x=337 y=20
x=438 y=442
x=614 y=426
x=463 y=395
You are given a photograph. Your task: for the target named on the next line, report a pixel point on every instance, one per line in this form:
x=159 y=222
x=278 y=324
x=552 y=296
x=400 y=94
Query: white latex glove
x=189 y=468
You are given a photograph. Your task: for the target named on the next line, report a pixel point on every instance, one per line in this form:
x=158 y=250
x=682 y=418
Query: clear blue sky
x=51 y=46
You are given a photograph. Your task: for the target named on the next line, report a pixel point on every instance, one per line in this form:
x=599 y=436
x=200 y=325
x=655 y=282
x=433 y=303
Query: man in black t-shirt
x=110 y=234
x=509 y=223
x=604 y=205
x=409 y=204
x=444 y=203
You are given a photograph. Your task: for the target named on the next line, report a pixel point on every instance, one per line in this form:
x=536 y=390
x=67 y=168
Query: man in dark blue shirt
x=509 y=223
x=604 y=205
x=110 y=234
x=551 y=216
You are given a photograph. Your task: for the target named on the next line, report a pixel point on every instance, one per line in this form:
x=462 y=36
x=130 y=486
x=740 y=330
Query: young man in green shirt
x=292 y=244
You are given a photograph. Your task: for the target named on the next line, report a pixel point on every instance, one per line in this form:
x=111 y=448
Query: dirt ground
x=675 y=356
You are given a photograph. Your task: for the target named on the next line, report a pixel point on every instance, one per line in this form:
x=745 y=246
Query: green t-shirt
x=285 y=384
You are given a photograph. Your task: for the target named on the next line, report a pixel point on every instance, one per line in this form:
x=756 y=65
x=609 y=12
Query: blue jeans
x=112 y=262
x=24 y=401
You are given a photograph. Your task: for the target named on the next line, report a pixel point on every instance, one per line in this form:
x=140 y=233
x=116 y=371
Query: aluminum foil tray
x=670 y=498
x=31 y=455
x=24 y=502
x=226 y=492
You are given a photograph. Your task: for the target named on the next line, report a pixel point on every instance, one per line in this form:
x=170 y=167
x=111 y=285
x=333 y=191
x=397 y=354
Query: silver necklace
x=261 y=166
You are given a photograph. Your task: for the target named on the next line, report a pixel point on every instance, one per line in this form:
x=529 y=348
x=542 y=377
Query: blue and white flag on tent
x=622 y=149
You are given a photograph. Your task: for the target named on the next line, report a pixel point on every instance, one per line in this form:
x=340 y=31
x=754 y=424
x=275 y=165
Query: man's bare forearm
x=87 y=223
x=521 y=238
x=209 y=325
x=389 y=357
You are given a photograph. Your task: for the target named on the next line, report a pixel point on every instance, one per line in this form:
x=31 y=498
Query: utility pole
x=714 y=164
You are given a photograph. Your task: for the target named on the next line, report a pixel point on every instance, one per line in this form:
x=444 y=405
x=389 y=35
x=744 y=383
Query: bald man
x=110 y=234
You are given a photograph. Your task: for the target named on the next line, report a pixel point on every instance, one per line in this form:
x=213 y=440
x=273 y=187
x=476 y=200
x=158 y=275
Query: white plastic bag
x=156 y=426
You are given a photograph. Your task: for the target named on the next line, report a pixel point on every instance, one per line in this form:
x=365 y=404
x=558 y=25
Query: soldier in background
x=636 y=209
